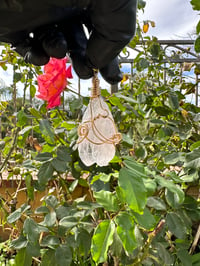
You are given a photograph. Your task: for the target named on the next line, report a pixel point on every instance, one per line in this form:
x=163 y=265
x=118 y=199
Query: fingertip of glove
x=112 y=79
x=54 y=43
x=83 y=73
x=36 y=59
x=111 y=73
x=80 y=66
x=55 y=48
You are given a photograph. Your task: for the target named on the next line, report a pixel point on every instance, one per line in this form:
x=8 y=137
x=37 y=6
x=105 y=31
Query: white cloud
x=174 y=19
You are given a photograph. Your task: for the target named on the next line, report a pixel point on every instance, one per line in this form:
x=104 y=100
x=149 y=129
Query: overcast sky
x=175 y=19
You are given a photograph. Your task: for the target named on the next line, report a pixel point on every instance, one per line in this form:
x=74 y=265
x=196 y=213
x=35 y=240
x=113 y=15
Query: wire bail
x=95 y=91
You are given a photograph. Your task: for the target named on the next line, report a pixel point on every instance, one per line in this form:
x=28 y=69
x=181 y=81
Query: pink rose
x=54 y=80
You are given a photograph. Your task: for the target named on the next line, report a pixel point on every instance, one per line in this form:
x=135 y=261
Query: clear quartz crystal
x=96 y=134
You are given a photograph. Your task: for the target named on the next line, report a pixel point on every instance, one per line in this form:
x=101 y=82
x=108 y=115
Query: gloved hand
x=57 y=28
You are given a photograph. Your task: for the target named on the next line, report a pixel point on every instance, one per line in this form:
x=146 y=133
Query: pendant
x=98 y=135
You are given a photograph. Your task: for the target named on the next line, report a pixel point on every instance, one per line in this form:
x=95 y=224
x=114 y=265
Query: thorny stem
x=145 y=249
x=17 y=190
x=10 y=151
x=73 y=92
x=25 y=87
x=65 y=187
x=60 y=113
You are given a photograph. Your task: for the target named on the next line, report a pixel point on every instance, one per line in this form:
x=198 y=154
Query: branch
x=196 y=240
x=10 y=151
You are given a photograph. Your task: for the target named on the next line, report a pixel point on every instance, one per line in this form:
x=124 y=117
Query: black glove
x=58 y=30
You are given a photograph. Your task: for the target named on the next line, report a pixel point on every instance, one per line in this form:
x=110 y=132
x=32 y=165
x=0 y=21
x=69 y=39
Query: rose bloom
x=53 y=82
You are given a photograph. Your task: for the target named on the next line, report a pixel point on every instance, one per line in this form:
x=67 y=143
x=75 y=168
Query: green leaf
x=117 y=247
x=154 y=49
x=32 y=90
x=142 y=64
x=164 y=254
x=125 y=230
x=197 y=44
x=59 y=166
x=141 y=4
x=63 y=255
x=25 y=130
x=23 y=258
x=63 y=154
x=43 y=157
x=17 y=76
x=14 y=216
x=31 y=230
x=50 y=219
x=69 y=125
x=24 y=207
x=174 y=157
x=42 y=209
x=172 y=199
x=136 y=168
x=157 y=121
x=76 y=104
x=173 y=101
x=68 y=222
x=29 y=186
x=51 y=201
x=35 y=113
x=108 y=200
x=172 y=187
x=133 y=189
x=46 y=130
x=163 y=110
x=146 y=220
x=33 y=249
x=127 y=99
x=84 y=242
x=195 y=145
x=198 y=27
x=49 y=258
x=196 y=259
x=73 y=185
x=19 y=243
x=185 y=257
x=103 y=177
x=192 y=159
x=101 y=240
x=141 y=152
x=150 y=186
x=127 y=140
x=21 y=118
x=156 y=203
x=50 y=241
x=176 y=225
x=195 y=4
x=2 y=145
x=45 y=173
x=105 y=93
x=116 y=102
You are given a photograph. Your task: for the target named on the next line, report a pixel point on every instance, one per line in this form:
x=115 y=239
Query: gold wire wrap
x=90 y=126
x=96 y=91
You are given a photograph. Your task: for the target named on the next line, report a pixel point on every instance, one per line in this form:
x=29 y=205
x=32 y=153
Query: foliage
x=142 y=209
x=196 y=6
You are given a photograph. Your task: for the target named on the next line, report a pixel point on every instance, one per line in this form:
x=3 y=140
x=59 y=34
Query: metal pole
x=131 y=76
x=79 y=87
x=114 y=88
x=197 y=91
